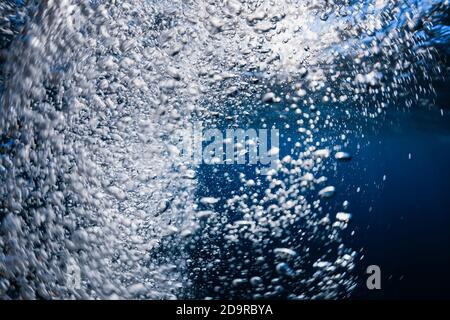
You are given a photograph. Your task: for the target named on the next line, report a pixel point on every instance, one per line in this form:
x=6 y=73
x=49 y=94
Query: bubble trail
x=96 y=95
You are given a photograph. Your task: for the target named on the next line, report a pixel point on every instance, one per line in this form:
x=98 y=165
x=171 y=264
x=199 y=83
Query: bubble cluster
x=95 y=95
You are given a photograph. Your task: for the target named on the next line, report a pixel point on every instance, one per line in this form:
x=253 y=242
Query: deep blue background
x=402 y=221
x=407 y=233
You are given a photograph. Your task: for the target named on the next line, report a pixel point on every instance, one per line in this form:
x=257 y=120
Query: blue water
x=406 y=232
x=398 y=187
x=397 y=184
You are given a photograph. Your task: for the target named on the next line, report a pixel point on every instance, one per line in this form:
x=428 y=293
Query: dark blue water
x=397 y=184
x=407 y=231
x=398 y=187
